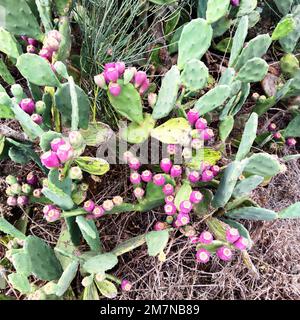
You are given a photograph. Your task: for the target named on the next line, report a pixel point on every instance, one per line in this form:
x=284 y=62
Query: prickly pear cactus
x=289 y=65
x=9 y=45
x=216 y=9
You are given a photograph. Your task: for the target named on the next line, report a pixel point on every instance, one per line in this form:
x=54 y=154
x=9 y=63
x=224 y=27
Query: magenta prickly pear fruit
x=277 y=136
x=37 y=193
x=206 y=237
x=194 y=239
x=207 y=176
x=108 y=205
x=272 y=127
x=172 y=149
x=126 y=285
x=224 y=253
x=168 y=189
x=183 y=219
x=32 y=42
x=159 y=179
x=197 y=144
x=232 y=235
x=235 y=3
x=11 y=180
x=207 y=134
x=26 y=188
x=53 y=215
x=186 y=206
x=100 y=81
x=47 y=208
x=201 y=124
x=115 y=89
x=46 y=54
x=127 y=156
x=89 y=206
x=22 y=200
x=76 y=139
x=159 y=226
x=31 y=49
x=11 y=201
x=117 y=200
x=193 y=116
x=169 y=199
x=152 y=98
x=194 y=176
x=166 y=165
x=112 y=74
x=31 y=179
x=55 y=34
x=204 y=166
x=38 y=119
x=24 y=38
x=75 y=173
x=65 y=152
x=170 y=209
x=139 y=193
x=56 y=143
x=139 y=78
x=120 y=66
x=175 y=171
x=241 y=243
x=27 y=105
x=135 y=178
x=134 y=164
x=146 y=176
x=98 y=212
x=202 y=255
x=291 y=142
x=196 y=197
x=189 y=231
x=51 y=44
x=50 y=160
x=144 y=87
x=215 y=170
x=109 y=65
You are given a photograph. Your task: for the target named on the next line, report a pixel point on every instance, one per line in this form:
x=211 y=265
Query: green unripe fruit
x=84 y=187
x=76 y=139
x=40 y=107
x=26 y=188
x=11 y=180
x=75 y=173
x=17 y=92
x=9 y=192
x=16 y=189
x=169 y=219
x=289 y=65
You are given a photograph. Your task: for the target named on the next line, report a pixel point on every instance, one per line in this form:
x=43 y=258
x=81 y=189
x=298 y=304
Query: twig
x=10 y=133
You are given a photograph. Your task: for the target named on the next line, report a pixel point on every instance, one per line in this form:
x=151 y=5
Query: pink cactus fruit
x=115 y=89
x=98 y=212
x=11 y=201
x=172 y=149
x=56 y=143
x=168 y=189
x=47 y=208
x=31 y=179
x=207 y=134
x=46 y=54
x=186 y=206
x=139 y=78
x=65 y=152
x=109 y=65
x=146 y=176
x=112 y=74
x=32 y=42
x=193 y=116
x=202 y=255
x=51 y=44
x=183 y=219
x=215 y=170
x=50 y=160
x=159 y=226
x=144 y=87
x=120 y=66
x=272 y=127
x=206 y=237
x=36 y=118
x=224 y=253
x=127 y=156
x=55 y=34
x=169 y=199
x=31 y=49
x=53 y=215
x=232 y=235
x=126 y=285
x=37 y=193
x=175 y=171
x=241 y=243
x=194 y=176
x=277 y=135
x=89 y=206
x=166 y=165
x=235 y=3
x=27 y=105
x=159 y=179
x=170 y=209
x=194 y=239
x=108 y=205
x=201 y=124
x=196 y=197
x=134 y=164
x=135 y=178
x=207 y=176
x=100 y=81
x=291 y=142
x=152 y=98
x=204 y=166
x=139 y=192
x=197 y=144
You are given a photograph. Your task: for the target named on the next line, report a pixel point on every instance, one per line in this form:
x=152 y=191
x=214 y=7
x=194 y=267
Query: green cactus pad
x=194 y=75
x=292 y=130
x=208 y=155
x=226 y=127
x=46 y=138
x=217 y=228
x=292 y=212
x=128 y=103
x=90 y=233
x=9 y=45
x=253 y=70
x=252 y=213
x=284 y=6
x=129 y=245
x=63 y=6
x=44 y=8
x=96 y=134
x=21 y=263
x=59 y=197
x=246 y=186
x=90 y=293
x=19 y=282
x=195 y=40
x=92 y=165
x=174 y=131
x=156 y=242
x=107 y=288
x=283 y=28
x=100 y=263
x=216 y=9
x=37 y=70
x=202 y=207
x=20 y=20
x=183 y=194
x=167 y=94
x=246 y=7
x=44 y=263
x=212 y=99
x=18 y=156
x=64 y=105
x=5 y=73
x=248 y=137
x=66 y=278
x=9 y=229
x=64 y=184
x=66 y=42
x=289 y=65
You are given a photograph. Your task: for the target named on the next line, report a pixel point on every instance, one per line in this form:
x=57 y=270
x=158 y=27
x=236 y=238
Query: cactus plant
x=156 y=241
x=246 y=186
x=66 y=278
x=216 y=9
x=252 y=213
x=253 y=70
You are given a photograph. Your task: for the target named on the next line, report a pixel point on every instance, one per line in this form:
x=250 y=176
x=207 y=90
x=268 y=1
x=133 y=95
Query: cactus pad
x=194 y=75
